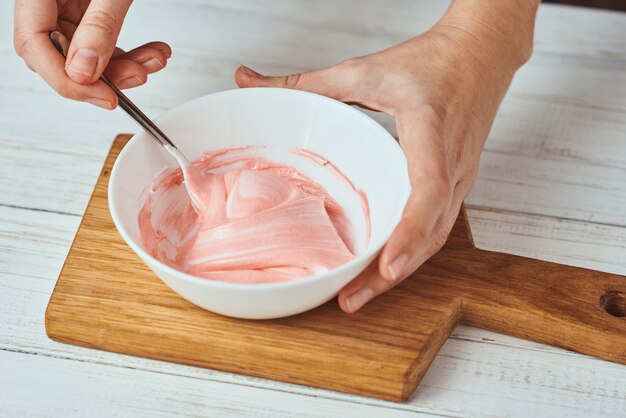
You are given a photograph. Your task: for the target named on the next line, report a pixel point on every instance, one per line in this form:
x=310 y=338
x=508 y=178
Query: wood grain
x=106 y=298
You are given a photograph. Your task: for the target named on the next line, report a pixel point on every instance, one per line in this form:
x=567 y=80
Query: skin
x=443 y=89
x=93 y=28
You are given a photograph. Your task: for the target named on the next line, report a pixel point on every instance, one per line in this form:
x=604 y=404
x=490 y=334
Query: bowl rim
x=371 y=250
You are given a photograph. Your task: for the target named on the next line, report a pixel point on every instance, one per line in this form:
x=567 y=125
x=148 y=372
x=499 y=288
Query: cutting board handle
x=107 y=298
x=570 y=307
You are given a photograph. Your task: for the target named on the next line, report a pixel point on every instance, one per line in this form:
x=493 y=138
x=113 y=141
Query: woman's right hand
x=93 y=28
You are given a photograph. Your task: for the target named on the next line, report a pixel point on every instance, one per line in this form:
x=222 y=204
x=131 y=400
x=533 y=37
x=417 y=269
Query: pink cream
x=256 y=221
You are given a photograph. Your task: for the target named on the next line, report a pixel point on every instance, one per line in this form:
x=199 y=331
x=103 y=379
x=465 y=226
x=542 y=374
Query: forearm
x=497 y=33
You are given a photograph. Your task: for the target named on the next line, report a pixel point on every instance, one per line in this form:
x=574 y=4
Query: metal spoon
x=61 y=43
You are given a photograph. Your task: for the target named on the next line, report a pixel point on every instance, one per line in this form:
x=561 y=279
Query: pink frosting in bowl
x=255 y=220
x=270 y=128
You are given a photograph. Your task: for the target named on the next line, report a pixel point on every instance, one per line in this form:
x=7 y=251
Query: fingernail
x=84 y=62
x=153 y=64
x=396 y=268
x=359 y=298
x=250 y=72
x=167 y=52
x=105 y=104
x=130 y=82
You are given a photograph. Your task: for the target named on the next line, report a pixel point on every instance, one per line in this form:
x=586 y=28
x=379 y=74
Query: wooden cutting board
x=106 y=298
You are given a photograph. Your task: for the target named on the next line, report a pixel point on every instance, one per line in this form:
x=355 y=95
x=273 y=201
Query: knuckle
x=441 y=184
x=419 y=235
x=439 y=240
x=363 y=72
x=390 y=284
x=100 y=21
x=440 y=235
x=21 y=44
x=435 y=111
x=143 y=77
x=468 y=176
x=292 y=80
x=416 y=229
x=65 y=91
x=357 y=65
x=459 y=153
x=471 y=174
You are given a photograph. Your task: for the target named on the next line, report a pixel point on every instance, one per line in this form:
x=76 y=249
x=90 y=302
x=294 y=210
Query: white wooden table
x=552 y=185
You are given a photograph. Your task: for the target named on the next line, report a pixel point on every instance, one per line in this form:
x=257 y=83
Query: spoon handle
x=61 y=44
x=135 y=113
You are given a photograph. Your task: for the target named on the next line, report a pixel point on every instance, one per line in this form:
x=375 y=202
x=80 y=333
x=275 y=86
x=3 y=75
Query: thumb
x=94 y=41
x=339 y=82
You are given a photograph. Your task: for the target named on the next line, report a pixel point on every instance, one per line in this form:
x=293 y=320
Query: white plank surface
x=552 y=185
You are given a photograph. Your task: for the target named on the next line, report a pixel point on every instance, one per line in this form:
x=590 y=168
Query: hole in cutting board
x=614 y=303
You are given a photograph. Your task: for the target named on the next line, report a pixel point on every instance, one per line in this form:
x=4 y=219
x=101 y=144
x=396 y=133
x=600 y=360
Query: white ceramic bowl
x=362 y=149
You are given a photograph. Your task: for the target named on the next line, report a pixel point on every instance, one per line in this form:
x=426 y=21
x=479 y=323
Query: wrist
x=497 y=34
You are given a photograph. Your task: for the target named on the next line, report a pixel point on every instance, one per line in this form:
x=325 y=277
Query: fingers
x=152 y=56
x=343 y=82
x=94 y=41
x=432 y=191
x=32 y=17
x=161 y=46
x=361 y=290
x=410 y=242
x=126 y=74
x=371 y=283
x=117 y=52
x=131 y=69
x=49 y=63
x=427 y=218
x=35 y=19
